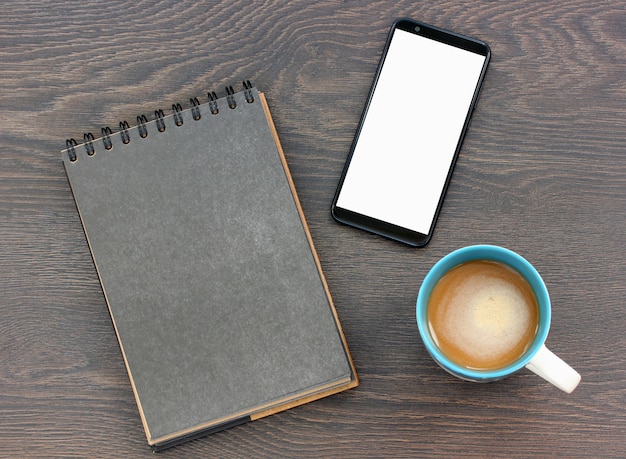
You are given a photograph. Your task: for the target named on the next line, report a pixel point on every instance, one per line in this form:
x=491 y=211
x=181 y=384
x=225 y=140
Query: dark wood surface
x=542 y=171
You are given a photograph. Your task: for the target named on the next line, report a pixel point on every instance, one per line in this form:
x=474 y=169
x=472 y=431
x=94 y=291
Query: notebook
x=216 y=293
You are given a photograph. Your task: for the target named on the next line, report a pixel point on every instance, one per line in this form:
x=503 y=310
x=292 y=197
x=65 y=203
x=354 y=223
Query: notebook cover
x=214 y=287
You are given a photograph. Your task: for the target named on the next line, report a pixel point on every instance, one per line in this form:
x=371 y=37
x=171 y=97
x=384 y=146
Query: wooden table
x=542 y=171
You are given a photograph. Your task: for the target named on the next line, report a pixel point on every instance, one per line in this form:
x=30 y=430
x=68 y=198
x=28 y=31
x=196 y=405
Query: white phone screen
x=410 y=132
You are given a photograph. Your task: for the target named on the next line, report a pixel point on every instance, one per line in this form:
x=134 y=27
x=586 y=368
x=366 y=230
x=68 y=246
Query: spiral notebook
x=208 y=268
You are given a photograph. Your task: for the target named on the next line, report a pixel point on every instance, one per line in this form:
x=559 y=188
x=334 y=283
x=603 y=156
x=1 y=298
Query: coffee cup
x=483 y=313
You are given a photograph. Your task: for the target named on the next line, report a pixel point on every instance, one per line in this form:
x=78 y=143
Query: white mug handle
x=554 y=370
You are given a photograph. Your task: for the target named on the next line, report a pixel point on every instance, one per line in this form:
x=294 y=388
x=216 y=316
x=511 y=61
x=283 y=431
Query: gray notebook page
x=206 y=267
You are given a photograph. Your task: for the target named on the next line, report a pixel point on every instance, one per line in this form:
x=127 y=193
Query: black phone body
x=411 y=131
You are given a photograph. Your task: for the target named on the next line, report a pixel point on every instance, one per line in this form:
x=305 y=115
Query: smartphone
x=411 y=131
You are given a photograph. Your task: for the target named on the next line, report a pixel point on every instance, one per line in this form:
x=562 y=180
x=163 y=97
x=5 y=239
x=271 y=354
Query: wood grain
x=542 y=171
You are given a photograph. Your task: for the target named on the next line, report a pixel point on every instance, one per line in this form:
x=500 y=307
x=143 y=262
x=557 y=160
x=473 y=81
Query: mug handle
x=554 y=370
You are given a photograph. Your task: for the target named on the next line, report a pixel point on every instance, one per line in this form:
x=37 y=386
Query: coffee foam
x=483 y=315
x=487 y=322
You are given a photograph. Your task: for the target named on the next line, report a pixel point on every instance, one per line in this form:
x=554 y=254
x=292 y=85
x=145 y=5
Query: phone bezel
x=382 y=227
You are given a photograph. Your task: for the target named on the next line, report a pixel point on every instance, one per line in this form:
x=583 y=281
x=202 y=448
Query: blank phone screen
x=410 y=132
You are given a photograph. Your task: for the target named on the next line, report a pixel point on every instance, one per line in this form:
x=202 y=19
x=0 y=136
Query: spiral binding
x=178 y=117
x=70 y=145
x=160 y=122
x=247 y=91
x=213 y=103
x=88 y=141
x=124 y=127
x=230 y=97
x=159 y=115
x=141 y=126
x=195 y=108
x=106 y=138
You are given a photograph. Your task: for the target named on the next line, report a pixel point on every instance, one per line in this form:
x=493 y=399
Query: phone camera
x=417 y=28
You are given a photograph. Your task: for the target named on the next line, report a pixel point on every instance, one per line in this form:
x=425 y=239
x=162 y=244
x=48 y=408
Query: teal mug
x=537 y=357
